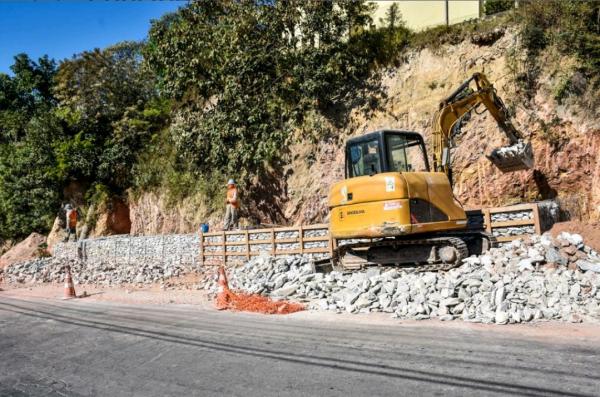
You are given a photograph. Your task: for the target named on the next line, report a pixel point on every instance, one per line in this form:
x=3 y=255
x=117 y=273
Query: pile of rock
x=44 y=270
x=513 y=157
x=538 y=279
x=512 y=231
x=512 y=216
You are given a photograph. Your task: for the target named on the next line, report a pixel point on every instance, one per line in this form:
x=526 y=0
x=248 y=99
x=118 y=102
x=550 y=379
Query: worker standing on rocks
x=70 y=221
x=233 y=204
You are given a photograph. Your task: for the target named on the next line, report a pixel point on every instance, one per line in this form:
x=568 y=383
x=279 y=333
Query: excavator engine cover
x=516 y=157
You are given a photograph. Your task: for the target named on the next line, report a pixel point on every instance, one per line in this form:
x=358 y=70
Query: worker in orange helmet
x=233 y=204
x=71 y=221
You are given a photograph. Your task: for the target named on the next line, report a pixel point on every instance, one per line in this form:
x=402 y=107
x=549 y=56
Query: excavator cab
x=385 y=151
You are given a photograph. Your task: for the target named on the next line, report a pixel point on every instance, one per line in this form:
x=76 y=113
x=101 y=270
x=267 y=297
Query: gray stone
x=285 y=291
x=554 y=256
x=362 y=302
x=501 y=317
x=588 y=266
x=499 y=296
x=449 y=302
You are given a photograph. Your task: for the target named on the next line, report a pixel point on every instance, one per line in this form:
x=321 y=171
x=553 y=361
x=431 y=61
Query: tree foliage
x=29 y=183
x=242 y=73
x=107 y=99
x=83 y=121
x=491 y=7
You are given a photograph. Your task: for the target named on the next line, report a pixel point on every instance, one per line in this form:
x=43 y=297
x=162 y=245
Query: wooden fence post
x=201 y=247
x=247 y=235
x=536 y=218
x=224 y=247
x=487 y=220
x=301 y=239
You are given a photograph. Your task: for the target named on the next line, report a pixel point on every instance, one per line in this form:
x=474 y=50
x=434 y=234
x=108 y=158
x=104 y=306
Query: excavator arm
x=463 y=101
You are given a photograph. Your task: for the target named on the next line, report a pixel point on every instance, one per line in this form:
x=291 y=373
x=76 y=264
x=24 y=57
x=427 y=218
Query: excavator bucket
x=516 y=157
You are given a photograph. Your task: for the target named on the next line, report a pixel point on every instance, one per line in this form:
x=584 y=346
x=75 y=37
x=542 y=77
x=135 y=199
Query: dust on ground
x=589 y=231
x=148 y=294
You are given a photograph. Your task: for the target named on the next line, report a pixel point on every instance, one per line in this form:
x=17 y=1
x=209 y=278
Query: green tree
x=243 y=73
x=27 y=93
x=103 y=96
x=29 y=183
x=491 y=7
x=393 y=17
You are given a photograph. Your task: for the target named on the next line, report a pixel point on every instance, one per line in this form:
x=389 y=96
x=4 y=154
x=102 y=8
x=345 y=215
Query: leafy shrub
x=491 y=7
x=572 y=26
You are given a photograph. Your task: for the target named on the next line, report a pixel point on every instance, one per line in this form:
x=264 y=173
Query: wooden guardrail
x=241 y=245
x=493 y=226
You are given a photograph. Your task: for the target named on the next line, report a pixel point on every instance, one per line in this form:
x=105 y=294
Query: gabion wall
x=125 y=249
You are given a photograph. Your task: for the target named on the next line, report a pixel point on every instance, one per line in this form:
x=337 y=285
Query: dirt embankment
x=589 y=231
x=565 y=136
x=29 y=248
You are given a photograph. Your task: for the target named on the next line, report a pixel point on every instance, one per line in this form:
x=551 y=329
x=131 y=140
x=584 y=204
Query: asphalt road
x=86 y=348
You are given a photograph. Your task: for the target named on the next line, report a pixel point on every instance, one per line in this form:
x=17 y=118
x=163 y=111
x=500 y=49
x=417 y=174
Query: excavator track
x=444 y=254
x=464 y=243
x=477 y=242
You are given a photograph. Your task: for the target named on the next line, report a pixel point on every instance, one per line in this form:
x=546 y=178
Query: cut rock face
x=519 y=282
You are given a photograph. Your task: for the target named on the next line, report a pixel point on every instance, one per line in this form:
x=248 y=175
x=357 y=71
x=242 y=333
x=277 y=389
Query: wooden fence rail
x=243 y=244
x=491 y=226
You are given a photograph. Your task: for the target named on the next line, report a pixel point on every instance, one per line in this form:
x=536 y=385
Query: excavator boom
x=518 y=155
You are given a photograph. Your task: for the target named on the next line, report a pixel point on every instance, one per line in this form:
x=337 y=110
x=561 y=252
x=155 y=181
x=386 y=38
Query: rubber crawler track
x=459 y=245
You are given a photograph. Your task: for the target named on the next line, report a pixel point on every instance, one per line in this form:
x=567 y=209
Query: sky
x=64 y=28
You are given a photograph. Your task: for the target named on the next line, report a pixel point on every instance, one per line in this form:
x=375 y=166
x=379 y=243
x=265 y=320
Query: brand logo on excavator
x=355 y=212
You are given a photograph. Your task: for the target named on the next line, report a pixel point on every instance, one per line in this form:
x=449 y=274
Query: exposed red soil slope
x=589 y=231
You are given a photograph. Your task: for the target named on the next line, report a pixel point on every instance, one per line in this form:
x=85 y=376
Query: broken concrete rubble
x=44 y=270
x=520 y=282
x=535 y=280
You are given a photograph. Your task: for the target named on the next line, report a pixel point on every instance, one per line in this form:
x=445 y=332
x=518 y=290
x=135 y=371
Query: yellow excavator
x=393 y=209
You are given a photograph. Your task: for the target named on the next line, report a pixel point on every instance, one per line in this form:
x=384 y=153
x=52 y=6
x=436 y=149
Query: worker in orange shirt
x=233 y=204
x=70 y=221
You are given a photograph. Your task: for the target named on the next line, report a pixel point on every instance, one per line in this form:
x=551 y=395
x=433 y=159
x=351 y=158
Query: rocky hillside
x=566 y=138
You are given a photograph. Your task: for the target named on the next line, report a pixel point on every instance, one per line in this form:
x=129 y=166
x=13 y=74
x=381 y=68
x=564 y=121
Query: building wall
x=422 y=14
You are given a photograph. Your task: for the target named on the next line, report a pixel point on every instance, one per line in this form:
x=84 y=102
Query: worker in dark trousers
x=233 y=204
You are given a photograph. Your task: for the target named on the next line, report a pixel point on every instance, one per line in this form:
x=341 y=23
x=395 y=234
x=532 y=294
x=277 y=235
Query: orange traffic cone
x=223 y=292
x=69 y=287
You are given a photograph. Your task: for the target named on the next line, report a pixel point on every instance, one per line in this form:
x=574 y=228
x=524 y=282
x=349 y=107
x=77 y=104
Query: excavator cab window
x=365 y=158
x=405 y=153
